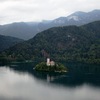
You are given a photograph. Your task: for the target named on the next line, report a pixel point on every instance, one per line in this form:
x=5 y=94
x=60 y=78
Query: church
x=49 y=62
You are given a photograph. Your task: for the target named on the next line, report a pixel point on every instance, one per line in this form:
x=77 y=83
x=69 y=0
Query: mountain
x=67 y=43
x=20 y=30
x=79 y=18
x=28 y=30
x=7 y=41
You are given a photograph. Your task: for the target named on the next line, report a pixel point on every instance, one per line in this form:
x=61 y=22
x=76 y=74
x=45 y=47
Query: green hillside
x=68 y=43
x=7 y=41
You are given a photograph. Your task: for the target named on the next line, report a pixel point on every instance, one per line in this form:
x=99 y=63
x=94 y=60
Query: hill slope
x=19 y=30
x=69 y=43
x=7 y=41
x=28 y=30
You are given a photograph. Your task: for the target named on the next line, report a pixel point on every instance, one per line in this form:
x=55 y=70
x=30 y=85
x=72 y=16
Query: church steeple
x=48 y=61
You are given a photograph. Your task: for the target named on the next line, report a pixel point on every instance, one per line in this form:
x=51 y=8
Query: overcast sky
x=37 y=10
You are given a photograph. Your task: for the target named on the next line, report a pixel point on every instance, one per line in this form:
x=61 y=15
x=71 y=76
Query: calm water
x=21 y=82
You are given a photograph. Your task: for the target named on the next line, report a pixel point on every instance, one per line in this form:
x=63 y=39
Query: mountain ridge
x=26 y=30
x=67 y=43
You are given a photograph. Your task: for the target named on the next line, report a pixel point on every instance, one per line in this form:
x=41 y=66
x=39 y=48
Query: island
x=50 y=66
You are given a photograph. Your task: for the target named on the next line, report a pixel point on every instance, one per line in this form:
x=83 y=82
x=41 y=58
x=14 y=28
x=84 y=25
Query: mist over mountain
x=27 y=30
x=67 y=43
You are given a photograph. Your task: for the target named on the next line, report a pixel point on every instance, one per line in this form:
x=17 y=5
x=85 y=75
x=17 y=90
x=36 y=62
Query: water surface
x=21 y=82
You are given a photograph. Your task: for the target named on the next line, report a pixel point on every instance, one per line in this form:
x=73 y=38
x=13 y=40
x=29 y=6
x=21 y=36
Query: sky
x=38 y=10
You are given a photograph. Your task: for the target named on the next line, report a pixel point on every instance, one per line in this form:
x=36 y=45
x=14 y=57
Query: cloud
x=36 y=10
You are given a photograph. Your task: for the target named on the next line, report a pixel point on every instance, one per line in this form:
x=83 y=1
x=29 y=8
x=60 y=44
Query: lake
x=18 y=81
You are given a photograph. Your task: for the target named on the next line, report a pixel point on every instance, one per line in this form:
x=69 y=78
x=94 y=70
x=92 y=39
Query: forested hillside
x=68 y=43
x=7 y=41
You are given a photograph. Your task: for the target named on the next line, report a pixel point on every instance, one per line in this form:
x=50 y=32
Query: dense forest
x=66 y=43
x=8 y=41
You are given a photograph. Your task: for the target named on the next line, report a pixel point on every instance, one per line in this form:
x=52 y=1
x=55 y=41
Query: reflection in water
x=49 y=78
x=18 y=83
